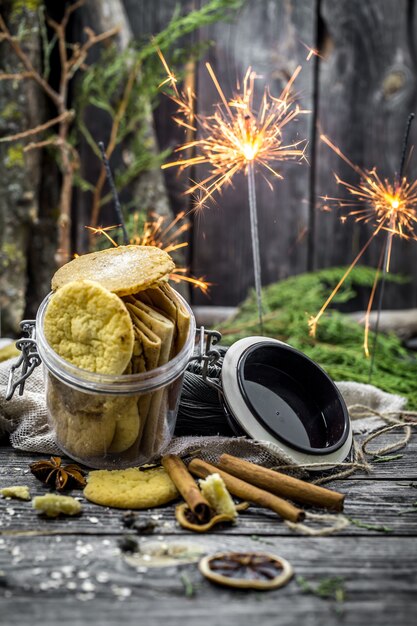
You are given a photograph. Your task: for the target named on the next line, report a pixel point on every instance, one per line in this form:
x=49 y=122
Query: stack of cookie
x=113 y=312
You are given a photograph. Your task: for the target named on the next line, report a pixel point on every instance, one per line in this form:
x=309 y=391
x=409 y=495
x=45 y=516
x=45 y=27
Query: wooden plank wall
x=366 y=90
x=360 y=92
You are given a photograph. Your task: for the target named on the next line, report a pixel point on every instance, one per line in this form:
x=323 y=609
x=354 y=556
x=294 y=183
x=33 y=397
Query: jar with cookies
x=114 y=339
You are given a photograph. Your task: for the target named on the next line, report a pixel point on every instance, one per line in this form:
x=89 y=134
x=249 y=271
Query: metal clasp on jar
x=28 y=360
x=207 y=355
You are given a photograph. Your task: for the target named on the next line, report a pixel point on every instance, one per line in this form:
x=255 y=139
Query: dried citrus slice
x=122 y=270
x=246 y=570
x=186 y=518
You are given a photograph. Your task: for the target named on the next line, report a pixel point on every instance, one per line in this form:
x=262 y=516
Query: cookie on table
x=122 y=270
x=130 y=488
x=90 y=327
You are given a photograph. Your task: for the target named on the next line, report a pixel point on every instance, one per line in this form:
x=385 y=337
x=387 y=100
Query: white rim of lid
x=247 y=421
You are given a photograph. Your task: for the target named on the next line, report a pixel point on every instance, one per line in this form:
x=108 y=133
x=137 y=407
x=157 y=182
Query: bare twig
x=66 y=115
x=69 y=9
x=37 y=145
x=77 y=60
x=16 y=76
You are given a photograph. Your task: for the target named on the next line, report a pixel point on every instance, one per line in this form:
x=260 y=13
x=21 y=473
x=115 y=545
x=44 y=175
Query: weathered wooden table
x=72 y=570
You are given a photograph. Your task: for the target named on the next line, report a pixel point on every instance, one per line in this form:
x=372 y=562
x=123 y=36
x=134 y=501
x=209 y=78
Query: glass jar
x=110 y=422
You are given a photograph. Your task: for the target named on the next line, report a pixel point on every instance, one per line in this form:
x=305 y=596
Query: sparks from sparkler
x=236 y=134
x=389 y=206
x=236 y=138
x=312 y=52
x=162 y=234
x=100 y=230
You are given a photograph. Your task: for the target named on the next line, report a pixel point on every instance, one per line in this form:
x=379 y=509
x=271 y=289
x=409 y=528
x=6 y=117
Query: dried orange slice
x=188 y=520
x=246 y=570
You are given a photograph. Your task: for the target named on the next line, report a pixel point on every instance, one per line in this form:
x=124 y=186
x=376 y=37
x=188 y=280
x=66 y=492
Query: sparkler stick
x=387 y=252
x=117 y=206
x=255 y=242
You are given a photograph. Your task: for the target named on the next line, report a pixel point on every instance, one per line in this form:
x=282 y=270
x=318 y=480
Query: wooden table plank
x=52 y=579
x=379 y=504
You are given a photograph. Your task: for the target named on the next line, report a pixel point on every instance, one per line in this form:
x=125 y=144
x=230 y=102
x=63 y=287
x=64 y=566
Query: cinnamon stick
x=187 y=487
x=281 y=484
x=246 y=491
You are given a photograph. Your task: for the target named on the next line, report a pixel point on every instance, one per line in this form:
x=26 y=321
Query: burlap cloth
x=24 y=419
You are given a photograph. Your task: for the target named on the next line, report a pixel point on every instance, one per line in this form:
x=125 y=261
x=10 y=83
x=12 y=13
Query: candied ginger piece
x=215 y=492
x=18 y=492
x=53 y=505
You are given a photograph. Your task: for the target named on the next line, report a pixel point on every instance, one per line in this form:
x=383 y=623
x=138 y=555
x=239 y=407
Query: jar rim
x=123 y=384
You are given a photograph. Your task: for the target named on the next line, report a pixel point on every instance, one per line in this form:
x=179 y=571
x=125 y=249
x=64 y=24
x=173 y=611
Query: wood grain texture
x=52 y=579
x=366 y=90
x=368 y=502
x=266 y=36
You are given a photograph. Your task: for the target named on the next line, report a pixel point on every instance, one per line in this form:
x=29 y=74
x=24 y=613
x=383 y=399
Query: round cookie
x=82 y=426
x=122 y=270
x=83 y=435
x=90 y=327
x=130 y=488
x=89 y=425
x=126 y=415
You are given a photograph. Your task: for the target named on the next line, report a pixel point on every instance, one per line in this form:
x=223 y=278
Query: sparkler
x=156 y=232
x=162 y=234
x=312 y=52
x=115 y=195
x=237 y=137
x=391 y=206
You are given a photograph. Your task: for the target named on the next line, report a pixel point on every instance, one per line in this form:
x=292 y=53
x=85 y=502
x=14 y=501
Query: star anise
x=64 y=476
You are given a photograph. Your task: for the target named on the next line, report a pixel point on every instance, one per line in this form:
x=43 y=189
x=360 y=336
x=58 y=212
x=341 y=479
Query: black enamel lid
x=275 y=392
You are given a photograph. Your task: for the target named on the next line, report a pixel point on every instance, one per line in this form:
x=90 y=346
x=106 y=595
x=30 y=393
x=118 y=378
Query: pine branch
x=139 y=87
